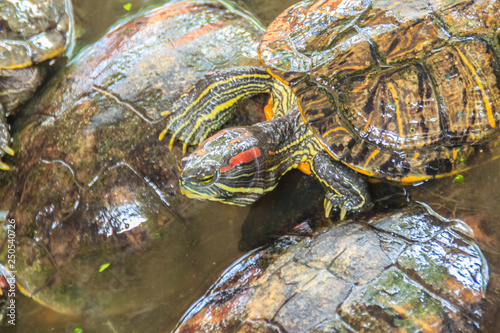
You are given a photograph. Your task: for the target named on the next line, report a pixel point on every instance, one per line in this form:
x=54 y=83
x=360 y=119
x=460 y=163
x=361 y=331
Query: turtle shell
x=394 y=89
x=85 y=191
x=31 y=32
x=404 y=271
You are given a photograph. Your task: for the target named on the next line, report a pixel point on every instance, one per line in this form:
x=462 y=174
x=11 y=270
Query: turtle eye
x=206 y=179
x=206 y=176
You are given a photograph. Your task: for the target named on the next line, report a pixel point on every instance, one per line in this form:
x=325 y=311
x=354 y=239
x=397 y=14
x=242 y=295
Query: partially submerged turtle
x=31 y=32
x=93 y=186
x=405 y=91
x=405 y=271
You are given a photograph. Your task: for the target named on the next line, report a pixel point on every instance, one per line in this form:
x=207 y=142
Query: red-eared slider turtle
x=405 y=271
x=405 y=91
x=31 y=32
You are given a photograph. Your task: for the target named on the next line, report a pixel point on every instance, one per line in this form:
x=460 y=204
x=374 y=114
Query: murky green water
x=213 y=245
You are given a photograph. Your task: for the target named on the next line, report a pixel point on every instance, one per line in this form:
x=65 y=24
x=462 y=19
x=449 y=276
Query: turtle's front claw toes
x=183 y=128
x=172 y=142
x=8 y=150
x=5 y=167
x=337 y=201
x=163 y=133
x=177 y=134
x=327 y=204
x=169 y=125
x=343 y=211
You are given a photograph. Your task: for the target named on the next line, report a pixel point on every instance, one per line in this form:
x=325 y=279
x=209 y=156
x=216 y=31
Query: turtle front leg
x=345 y=188
x=210 y=103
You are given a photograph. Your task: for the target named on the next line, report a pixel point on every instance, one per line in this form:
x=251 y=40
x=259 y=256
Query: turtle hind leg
x=346 y=189
x=210 y=103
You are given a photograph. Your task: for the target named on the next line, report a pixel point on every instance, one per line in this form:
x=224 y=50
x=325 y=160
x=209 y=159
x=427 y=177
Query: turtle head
x=228 y=167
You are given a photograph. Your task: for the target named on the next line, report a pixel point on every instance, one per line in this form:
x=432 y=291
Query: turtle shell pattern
x=403 y=90
x=33 y=31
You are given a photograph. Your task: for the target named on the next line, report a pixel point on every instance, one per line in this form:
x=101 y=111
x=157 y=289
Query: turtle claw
x=163 y=133
x=4 y=166
x=172 y=141
x=336 y=200
x=343 y=211
x=188 y=122
x=327 y=204
x=175 y=135
x=8 y=150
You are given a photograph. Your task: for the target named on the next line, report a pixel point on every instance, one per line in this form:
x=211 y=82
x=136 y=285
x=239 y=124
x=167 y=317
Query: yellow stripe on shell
x=319 y=140
x=39 y=301
x=372 y=155
x=398 y=112
x=408 y=180
x=491 y=118
x=275 y=76
x=339 y=129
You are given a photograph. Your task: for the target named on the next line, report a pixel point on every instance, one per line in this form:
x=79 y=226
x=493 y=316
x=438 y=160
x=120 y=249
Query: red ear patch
x=243 y=157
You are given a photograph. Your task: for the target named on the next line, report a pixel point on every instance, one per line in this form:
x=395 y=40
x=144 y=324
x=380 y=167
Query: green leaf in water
x=78 y=330
x=458 y=179
x=103 y=267
x=462 y=159
x=127 y=6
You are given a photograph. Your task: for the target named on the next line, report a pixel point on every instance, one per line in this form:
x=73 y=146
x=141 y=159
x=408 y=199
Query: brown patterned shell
x=33 y=31
x=403 y=90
